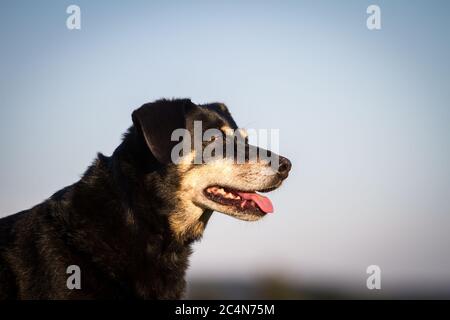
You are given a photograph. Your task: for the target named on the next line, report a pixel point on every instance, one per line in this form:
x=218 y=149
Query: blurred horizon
x=363 y=116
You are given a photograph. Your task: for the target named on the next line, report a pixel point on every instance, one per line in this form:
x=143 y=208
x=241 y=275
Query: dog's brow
x=230 y=132
x=227 y=130
x=243 y=132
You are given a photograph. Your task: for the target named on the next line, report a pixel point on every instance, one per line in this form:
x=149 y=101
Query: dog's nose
x=284 y=167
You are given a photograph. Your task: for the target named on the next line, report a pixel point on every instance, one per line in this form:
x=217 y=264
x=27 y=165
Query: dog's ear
x=157 y=120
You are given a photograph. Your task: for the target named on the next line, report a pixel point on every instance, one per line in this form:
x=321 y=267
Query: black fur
x=108 y=224
x=113 y=223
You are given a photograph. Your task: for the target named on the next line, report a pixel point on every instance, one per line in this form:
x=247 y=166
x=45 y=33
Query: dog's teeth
x=223 y=193
x=243 y=203
x=231 y=195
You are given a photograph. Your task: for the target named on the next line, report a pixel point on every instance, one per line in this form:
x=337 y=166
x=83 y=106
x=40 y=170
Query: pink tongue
x=263 y=203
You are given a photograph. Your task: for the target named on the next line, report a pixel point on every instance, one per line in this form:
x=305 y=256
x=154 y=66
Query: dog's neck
x=146 y=184
x=142 y=231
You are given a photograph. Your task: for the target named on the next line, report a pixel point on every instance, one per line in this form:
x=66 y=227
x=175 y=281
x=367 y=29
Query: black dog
x=129 y=222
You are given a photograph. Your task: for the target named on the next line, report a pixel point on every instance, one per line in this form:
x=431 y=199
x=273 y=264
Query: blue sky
x=363 y=115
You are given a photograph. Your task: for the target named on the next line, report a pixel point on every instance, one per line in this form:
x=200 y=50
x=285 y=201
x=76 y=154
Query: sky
x=363 y=116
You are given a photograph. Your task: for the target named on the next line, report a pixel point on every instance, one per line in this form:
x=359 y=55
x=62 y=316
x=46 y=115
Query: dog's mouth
x=243 y=201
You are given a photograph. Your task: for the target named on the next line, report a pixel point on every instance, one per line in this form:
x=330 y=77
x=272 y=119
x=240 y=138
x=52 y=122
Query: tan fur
x=229 y=131
x=129 y=218
x=224 y=172
x=187 y=216
x=243 y=132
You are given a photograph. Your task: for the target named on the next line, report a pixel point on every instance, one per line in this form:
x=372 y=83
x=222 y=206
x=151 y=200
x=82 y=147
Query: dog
x=128 y=224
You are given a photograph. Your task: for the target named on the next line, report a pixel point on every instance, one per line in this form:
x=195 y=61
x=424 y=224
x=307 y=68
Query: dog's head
x=208 y=162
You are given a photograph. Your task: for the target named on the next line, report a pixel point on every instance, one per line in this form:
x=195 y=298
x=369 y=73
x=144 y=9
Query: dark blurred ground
x=276 y=288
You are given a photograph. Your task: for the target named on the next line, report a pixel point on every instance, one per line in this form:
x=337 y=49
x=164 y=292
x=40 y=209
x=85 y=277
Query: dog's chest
x=163 y=275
